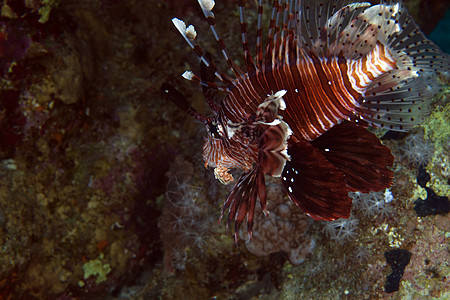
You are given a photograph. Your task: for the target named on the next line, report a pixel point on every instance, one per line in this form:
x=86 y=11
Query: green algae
x=437 y=127
x=97 y=268
x=46 y=8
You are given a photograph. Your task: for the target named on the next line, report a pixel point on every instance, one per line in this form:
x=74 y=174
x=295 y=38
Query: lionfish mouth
x=338 y=67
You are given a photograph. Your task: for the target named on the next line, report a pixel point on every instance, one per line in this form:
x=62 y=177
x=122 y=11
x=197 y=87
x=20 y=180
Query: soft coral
x=417 y=150
x=342 y=229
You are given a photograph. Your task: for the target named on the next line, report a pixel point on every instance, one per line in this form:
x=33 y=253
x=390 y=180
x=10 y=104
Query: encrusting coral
x=284 y=229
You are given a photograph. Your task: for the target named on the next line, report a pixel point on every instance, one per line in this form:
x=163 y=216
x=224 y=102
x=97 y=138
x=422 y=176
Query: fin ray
x=314 y=184
x=396 y=100
x=359 y=155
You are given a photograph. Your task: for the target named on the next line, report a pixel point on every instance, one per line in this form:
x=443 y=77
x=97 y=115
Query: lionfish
x=301 y=107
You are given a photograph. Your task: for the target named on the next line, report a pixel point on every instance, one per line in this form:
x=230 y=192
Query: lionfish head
x=216 y=140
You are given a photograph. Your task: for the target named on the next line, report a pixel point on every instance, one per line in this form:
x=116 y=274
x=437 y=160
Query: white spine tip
x=188 y=75
x=188 y=32
x=180 y=25
x=289 y=132
x=273 y=123
x=191 y=33
x=206 y=4
x=282 y=104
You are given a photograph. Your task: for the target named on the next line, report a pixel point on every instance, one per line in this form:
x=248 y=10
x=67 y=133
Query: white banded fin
x=188 y=75
x=191 y=33
x=180 y=25
x=380 y=15
x=188 y=33
x=359 y=4
x=207 y=6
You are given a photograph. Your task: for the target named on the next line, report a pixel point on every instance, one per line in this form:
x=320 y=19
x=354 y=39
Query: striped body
x=364 y=71
x=320 y=92
x=328 y=66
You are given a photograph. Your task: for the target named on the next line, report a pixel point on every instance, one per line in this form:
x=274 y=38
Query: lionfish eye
x=214 y=130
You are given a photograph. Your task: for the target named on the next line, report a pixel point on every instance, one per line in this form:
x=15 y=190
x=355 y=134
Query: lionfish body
x=300 y=108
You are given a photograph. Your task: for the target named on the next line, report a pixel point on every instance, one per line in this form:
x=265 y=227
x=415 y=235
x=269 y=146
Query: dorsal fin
x=189 y=34
x=390 y=62
x=207 y=7
x=259 y=43
x=251 y=68
x=271 y=34
x=388 y=66
x=352 y=29
x=311 y=18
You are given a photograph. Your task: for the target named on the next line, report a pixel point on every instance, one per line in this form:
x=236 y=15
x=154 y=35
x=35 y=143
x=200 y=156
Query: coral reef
x=373 y=204
x=73 y=188
x=284 y=229
x=432 y=205
x=417 y=150
x=342 y=229
x=96 y=268
x=103 y=192
x=186 y=221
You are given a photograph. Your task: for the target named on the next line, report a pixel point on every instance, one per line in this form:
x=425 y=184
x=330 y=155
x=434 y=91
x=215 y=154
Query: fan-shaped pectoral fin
x=273 y=154
x=241 y=200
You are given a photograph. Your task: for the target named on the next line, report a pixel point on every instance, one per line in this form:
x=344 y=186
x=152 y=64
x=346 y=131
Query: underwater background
x=104 y=193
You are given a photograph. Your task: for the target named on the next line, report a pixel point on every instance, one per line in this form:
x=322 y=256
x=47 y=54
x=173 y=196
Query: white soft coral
x=374 y=204
x=342 y=229
x=417 y=150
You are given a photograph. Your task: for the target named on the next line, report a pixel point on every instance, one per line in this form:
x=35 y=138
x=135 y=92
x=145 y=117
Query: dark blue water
x=441 y=34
